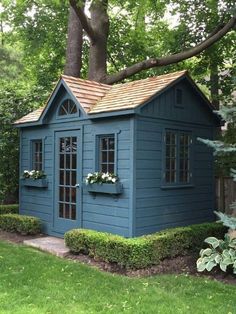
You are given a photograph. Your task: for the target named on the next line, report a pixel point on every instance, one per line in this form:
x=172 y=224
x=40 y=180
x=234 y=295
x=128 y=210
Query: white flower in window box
x=100 y=182
x=34 y=178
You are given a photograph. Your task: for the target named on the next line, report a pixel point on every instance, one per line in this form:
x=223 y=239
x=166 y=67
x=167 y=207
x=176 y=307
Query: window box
x=39 y=183
x=105 y=188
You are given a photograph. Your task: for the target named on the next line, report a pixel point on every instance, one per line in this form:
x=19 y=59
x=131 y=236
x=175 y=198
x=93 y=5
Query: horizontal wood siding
x=160 y=208
x=37 y=202
x=101 y=212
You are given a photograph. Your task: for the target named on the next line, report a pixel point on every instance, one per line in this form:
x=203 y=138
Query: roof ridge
x=84 y=80
x=182 y=72
x=95 y=97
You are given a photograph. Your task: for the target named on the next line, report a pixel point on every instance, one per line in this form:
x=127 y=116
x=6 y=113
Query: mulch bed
x=178 y=265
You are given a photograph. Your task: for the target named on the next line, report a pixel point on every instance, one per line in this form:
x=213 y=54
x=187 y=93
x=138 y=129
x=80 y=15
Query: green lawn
x=35 y=282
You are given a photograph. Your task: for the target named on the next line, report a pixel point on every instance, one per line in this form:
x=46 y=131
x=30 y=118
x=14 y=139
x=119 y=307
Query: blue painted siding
x=145 y=206
x=103 y=212
x=194 y=108
x=158 y=207
x=33 y=201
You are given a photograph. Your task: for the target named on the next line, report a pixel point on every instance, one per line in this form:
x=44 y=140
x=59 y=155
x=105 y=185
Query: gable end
x=194 y=107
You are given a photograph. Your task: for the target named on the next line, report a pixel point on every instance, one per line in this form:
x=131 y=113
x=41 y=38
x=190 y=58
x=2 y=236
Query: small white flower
x=113 y=180
x=109 y=178
x=89 y=175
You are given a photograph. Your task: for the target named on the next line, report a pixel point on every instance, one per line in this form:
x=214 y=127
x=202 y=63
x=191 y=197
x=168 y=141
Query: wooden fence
x=225 y=194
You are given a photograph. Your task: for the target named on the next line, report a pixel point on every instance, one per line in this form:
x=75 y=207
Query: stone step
x=53 y=245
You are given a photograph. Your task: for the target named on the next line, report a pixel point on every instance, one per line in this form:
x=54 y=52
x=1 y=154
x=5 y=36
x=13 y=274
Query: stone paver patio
x=52 y=245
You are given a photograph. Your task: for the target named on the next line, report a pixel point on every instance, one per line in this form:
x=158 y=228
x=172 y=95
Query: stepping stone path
x=53 y=245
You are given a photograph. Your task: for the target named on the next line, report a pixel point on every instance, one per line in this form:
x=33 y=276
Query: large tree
x=97 y=26
x=216 y=65
x=17 y=97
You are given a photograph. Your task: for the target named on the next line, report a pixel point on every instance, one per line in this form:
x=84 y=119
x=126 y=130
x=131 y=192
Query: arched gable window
x=67 y=107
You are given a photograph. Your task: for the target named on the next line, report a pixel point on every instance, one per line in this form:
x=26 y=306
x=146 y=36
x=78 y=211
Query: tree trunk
x=97 y=29
x=98 y=47
x=74 y=45
x=214 y=85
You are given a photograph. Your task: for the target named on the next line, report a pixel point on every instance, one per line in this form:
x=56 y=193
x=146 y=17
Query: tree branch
x=112 y=60
x=83 y=20
x=156 y=62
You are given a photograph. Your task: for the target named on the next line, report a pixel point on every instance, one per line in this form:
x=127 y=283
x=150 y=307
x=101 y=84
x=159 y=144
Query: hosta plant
x=220 y=252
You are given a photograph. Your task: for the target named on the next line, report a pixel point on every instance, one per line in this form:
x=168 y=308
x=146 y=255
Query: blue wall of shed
x=144 y=206
x=103 y=212
x=194 y=109
x=157 y=207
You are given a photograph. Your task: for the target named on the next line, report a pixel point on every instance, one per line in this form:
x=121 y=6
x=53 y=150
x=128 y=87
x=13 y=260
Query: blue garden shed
x=143 y=131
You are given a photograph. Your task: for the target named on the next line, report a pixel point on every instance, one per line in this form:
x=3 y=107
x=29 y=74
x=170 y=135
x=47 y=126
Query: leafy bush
x=142 y=251
x=228 y=221
x=19 y=223
x=220 y=252
x=9 y=209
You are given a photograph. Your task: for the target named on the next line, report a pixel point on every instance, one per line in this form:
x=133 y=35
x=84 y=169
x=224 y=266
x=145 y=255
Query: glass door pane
x=67 y=177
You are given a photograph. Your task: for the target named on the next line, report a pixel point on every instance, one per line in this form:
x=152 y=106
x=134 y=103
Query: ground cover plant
x=221 y=252
x=35 y=282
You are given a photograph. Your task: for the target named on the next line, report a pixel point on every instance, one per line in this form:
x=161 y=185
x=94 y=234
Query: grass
x=35 y=282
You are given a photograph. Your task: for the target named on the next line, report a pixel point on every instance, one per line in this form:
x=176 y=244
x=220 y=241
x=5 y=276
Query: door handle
x=77 y=185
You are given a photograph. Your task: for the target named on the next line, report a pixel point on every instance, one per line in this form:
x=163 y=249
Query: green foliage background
x=33 y=45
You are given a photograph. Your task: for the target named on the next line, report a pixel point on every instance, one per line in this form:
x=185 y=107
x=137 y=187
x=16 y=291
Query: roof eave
x=106 y=114
x=27 y=124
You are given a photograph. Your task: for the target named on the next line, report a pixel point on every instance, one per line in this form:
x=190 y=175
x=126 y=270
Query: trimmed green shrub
x=142 y=251
x=19 y=223
x=9 y=209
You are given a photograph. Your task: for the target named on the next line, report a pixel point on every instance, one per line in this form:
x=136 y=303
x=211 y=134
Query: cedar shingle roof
x=97 y=98
x=86 y=92
x=31 y=117
x=133 y=94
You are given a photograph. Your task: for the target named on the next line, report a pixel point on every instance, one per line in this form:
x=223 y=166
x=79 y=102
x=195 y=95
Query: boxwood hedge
x=142 y=251
x=19 y=223
x=9 y=209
